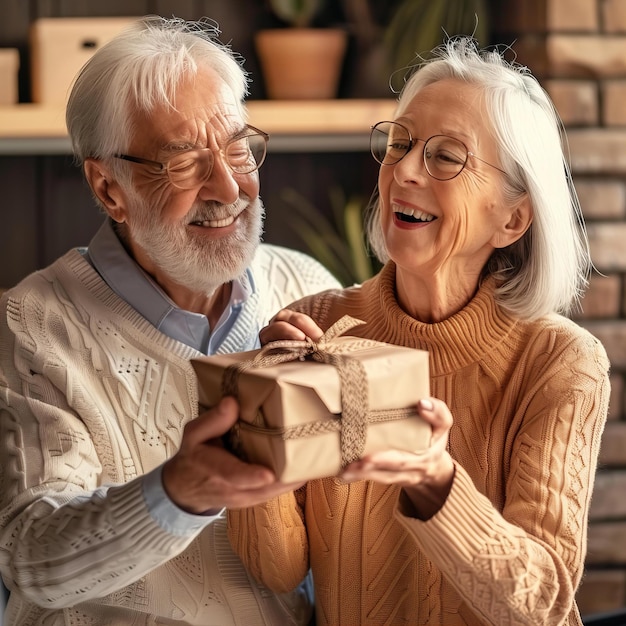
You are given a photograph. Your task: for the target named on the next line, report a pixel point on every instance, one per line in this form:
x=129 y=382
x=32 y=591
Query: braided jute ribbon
x=353 y=386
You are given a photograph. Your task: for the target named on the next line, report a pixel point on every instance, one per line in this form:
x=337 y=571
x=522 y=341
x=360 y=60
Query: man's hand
x=203 y=476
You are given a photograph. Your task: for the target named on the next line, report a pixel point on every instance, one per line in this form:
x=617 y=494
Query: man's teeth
x=416 y=214
x=226 y=221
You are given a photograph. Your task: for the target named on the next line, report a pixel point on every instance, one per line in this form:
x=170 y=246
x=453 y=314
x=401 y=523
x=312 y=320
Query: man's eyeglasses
x=243 y=154
x=444 y=157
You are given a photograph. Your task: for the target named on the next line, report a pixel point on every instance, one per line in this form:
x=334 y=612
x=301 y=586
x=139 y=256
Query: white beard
x=191 y=262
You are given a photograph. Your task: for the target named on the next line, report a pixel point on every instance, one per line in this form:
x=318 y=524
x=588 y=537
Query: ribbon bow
x=352 y=378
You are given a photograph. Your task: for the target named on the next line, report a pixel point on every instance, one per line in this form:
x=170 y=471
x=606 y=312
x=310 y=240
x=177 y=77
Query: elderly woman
x=485 y=251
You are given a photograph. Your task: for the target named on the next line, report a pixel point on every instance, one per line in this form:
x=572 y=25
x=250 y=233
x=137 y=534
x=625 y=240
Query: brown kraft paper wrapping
x=308 y=409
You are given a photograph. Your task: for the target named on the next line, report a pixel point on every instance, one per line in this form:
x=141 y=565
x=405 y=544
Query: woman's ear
x=106 y=189
x=519 y=222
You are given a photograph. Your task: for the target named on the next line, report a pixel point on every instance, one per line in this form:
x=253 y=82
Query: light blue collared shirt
x=131 y=283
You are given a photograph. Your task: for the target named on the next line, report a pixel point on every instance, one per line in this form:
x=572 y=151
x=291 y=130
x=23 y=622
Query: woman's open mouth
x=412 y=216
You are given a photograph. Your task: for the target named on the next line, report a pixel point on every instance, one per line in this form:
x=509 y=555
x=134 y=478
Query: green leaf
x=361 y=261
x=337 y=243
x=298 y=13
x=418 y=26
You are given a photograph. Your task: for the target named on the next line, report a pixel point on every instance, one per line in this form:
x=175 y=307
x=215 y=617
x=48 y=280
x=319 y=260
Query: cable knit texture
x=92 y=397
x=529 y=401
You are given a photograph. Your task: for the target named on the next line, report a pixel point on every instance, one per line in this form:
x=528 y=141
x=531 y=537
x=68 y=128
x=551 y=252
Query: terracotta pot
x=301 y=63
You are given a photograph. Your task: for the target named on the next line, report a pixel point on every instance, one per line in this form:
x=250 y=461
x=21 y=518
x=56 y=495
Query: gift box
x=308 y=409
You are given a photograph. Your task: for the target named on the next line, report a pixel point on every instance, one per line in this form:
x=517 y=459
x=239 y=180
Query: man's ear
x=519 y=222
x=106 y=189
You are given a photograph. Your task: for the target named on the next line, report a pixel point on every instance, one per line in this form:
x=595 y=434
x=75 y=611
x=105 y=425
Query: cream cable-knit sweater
x=92 y=397
x=529 y=401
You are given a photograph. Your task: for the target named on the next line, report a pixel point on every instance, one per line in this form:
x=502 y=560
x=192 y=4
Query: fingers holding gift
x=426 y=478
x=438 y=415
x=411 y=468
x=204 y=477
x=210 y=426
x=400 y=467
x=287 y=324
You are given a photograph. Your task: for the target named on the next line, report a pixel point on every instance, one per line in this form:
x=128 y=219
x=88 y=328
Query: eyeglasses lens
x=444 y=157
x=244 y=155
x=389 y=142
x=189 y=169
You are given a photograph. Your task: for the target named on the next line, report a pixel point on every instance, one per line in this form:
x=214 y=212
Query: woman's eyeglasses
x=444 y=157
x=243 y=154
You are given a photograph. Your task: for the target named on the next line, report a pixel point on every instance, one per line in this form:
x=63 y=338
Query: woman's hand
x=287 y=324
x=426 y=475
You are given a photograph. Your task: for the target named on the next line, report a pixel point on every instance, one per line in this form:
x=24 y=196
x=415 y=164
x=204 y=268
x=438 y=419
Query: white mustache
x=213 y=213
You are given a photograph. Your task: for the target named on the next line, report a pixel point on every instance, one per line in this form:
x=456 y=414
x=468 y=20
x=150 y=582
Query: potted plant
x=300 y=61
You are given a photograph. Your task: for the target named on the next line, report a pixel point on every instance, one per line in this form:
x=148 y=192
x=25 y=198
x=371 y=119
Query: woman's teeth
x=413 y=215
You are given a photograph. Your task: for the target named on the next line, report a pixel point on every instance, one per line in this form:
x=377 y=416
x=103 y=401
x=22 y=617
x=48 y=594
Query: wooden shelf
x=294 y=126
x=319 y=116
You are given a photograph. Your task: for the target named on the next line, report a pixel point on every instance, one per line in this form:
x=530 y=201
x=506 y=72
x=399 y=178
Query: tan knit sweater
x=529 y=401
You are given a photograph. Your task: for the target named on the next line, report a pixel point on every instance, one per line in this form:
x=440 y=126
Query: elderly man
x=113 y=488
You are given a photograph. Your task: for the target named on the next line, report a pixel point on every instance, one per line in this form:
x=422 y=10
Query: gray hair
x=547 y=269
x=138 y=70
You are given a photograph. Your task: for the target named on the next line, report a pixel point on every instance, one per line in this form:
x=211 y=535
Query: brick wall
x=577 y=48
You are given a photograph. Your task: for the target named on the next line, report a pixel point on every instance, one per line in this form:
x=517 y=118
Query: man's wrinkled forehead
x=193 y=125
x=222 y=121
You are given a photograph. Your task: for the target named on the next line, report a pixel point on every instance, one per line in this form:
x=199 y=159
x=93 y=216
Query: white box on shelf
x=61 y=46
x=9 y=66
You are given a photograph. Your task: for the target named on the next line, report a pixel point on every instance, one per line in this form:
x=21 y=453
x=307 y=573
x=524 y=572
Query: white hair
x=547 y=269
x=138 y=70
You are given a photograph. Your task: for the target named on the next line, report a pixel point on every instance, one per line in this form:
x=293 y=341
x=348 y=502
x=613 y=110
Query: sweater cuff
x=460 y=529
x=166 y=514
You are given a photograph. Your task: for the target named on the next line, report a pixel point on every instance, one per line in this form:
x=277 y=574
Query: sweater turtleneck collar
x=466 y=337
